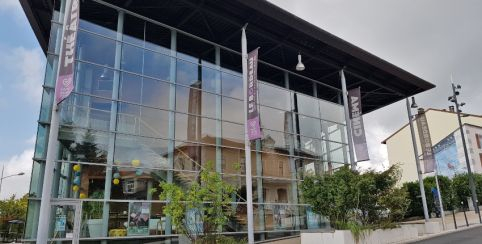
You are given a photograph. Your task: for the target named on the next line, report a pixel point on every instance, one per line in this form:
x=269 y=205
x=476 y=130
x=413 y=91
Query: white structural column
x=172 y=115
x=52 y=151
x=112 y=123
x=293 y=175
x=219 y=159
x=347 y=119
x=247 y=145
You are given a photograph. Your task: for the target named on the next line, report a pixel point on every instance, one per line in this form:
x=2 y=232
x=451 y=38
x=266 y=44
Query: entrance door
x=65 y=221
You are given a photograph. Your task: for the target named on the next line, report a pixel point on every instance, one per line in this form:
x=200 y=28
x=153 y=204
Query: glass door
x=65 y=221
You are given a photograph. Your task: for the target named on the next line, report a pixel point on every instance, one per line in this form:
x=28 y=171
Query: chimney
x=420 y=110
x=451 y=108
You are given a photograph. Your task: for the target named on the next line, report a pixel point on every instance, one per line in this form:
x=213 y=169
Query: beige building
x=442 y=124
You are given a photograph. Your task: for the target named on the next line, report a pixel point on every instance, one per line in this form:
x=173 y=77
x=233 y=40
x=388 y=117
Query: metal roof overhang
x=280 y=35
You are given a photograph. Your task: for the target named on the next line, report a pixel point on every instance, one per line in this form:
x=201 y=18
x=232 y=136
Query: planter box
x=379 y=236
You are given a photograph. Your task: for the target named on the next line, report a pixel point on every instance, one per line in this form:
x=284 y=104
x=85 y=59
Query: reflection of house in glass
x=159 y=95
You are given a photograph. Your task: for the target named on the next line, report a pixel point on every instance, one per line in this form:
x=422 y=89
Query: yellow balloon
x=75 y=188
x=136 y=162
x=82 y=195
x=116 y=181
x=77 y=167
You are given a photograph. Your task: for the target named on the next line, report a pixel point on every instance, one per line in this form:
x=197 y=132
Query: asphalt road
x=470 y=236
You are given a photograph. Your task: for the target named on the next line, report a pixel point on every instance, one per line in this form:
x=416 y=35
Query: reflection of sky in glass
x=446 y=157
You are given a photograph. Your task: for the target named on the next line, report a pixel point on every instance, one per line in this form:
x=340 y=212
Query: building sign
x=426 y=143
x=253 y=127
x=65 y=80
x=357 y=128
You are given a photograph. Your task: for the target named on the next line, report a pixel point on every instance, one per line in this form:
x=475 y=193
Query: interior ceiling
x=280 y=36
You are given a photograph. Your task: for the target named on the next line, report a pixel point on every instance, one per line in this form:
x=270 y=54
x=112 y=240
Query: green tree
x=209 y=200
x=349 y=198
x=13 y=208
x=461 y=187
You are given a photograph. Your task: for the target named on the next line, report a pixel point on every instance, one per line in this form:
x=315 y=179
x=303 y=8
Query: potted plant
x=93 y=213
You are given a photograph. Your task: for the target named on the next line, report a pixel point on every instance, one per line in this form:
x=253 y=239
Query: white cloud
x=26 y=68
x=12 y=7
x=17 y=185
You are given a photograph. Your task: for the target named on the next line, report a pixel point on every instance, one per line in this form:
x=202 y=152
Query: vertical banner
x=357 y=127
x=65 y=81
x=253 y=127
x=426 y=143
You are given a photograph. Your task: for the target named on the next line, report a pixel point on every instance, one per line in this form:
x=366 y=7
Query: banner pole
x=347 y=119
x=52 y=146
x=247 y=145
x=417 y=161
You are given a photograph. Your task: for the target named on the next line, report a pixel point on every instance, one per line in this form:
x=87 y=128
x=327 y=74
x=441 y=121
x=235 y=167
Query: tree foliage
x=209 y=200
x=347 y=196
x=454 y=191
x=13 y=208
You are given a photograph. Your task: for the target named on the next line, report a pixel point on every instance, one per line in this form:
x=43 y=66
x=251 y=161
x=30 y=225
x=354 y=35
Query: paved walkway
x=466 y=236
x=472 y=219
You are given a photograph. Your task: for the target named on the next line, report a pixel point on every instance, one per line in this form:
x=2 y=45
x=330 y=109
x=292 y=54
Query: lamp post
x=2 y=177
x=453 y=98
x=417 y=160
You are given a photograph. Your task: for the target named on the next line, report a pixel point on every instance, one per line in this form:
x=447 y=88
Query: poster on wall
x=313 y=220
x=194 y=221
x=139 y=214
x=446 y=157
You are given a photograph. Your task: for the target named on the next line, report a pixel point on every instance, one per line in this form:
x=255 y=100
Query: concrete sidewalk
x=472 y=220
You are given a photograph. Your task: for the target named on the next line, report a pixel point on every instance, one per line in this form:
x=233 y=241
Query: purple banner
x=253 y=127
x=426 y=143
x=357 y=128
x=65 y=81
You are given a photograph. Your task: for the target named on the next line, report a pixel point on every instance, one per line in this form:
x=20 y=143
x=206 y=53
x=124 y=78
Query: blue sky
x=21 y=70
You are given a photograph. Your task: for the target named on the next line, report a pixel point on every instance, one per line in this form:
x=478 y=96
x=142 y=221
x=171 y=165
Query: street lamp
x=453 y=98
x=417 y=160
x=2 y=177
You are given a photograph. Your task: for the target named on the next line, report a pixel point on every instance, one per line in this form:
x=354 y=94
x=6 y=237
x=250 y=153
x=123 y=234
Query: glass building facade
x=154 y=104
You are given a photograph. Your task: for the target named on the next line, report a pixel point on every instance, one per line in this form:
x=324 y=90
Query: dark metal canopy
x=280 y=35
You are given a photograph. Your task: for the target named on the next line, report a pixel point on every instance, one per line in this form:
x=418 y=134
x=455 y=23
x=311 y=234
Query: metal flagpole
x=247 y=145
x=466 y=154
x=417 y=162
x=52 y=150
x=347 y=119
x=439 y=192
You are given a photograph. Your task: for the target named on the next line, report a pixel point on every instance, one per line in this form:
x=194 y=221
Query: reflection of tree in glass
x=89 y=149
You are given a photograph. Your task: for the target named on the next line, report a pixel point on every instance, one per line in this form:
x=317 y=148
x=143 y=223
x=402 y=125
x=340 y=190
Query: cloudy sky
x=429 y=38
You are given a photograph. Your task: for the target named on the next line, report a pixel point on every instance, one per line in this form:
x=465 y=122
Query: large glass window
x=83 y=145
x=86 y=111
x=233 y=135
x=95 y=49
x=187 y=74
x=139 y=151
x=309 y=126
x=308 y=105
x=232 y=85
x=232 y=110
x=272 y=96
x=94 y=80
